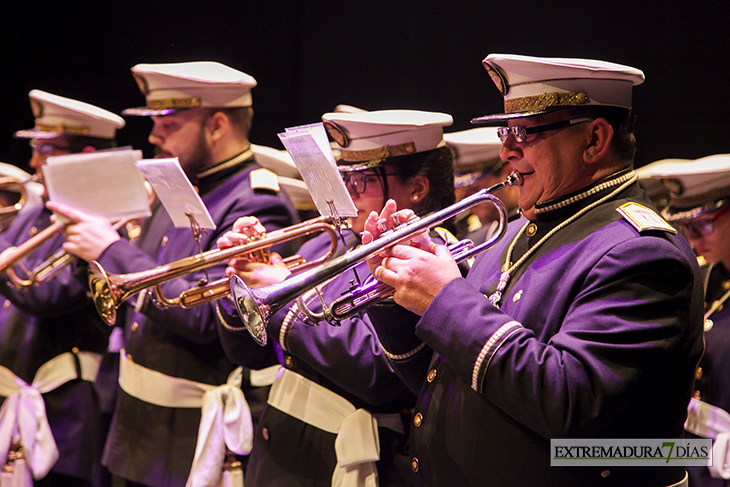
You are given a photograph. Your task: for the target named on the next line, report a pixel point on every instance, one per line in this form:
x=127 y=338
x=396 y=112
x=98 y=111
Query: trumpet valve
x=382 y=225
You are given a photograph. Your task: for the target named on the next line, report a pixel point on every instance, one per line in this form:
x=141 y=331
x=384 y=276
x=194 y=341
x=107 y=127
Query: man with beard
x=201 y=113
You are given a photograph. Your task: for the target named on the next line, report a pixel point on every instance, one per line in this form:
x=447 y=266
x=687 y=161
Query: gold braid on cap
x=701 y=199
x=672 y=215
x=173 y=103
x=376 y=156
x=62 y=128
x=543 y=101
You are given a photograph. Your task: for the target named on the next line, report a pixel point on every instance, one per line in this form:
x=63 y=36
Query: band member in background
x=337 y=377
x=699 y=203
x=585 y=321
x=201 y=113
x=657 y=192
x=53 y=328
x=477 y=166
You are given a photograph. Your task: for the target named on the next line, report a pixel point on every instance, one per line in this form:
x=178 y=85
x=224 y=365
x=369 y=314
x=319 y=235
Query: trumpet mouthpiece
x=514 y=179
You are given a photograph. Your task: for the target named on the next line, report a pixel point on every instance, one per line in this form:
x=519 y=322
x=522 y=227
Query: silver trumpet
x=256 y=305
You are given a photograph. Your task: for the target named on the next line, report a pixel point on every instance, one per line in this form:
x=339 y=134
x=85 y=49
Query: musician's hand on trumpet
x=417 y=270
x=87 y=236
x=250 y=269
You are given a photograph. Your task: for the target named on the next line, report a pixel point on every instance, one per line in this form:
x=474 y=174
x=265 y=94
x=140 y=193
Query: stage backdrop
x=309 y=56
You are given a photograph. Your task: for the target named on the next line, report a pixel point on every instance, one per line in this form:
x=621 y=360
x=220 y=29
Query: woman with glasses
x=339 y=376
x=700 y=209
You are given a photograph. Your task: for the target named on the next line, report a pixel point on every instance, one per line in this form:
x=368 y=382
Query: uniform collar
x=561 y=208
x=209 y=177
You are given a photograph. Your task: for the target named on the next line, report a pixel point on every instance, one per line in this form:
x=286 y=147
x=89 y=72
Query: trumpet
x=109 y=291
x=256 y=305
x=48 y=269
x=14 y=255
x=11 y=210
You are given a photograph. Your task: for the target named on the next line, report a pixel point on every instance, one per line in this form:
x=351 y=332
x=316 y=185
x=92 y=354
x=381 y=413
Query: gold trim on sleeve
x=487 y=350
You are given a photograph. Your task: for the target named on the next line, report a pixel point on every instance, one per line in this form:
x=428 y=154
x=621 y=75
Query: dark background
x=309 y=56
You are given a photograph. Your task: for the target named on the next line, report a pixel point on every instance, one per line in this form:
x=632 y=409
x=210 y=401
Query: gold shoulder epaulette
x=643 y=218
x=264 y=179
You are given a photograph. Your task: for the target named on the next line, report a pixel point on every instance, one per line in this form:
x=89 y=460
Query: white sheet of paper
x=176 y=192
x=102 y=183
x=309 y=147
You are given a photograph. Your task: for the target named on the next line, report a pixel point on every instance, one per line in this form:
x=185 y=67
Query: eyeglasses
x=520 y=132
x=704 y=227
x=47 y=150
x=358 y=181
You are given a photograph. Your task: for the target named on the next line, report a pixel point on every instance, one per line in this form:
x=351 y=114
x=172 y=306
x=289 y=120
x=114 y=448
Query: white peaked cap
x=538 y=85
x=476 y=148
x=696 y=187
x=176 y=86
x=366 y=139
x=275 y=160
x=57 y=116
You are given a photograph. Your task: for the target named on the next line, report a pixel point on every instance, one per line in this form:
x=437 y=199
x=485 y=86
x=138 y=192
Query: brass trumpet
x=13 y=256
x=256 y=305
x=13 y=209
x=48 y=269
x=53 y=264
x=109 y=291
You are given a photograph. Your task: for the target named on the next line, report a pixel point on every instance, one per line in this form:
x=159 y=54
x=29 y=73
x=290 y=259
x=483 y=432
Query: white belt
x=713 y=422
x=356 y=446
x=225 y=416
x=264 y=377
x=23 y=414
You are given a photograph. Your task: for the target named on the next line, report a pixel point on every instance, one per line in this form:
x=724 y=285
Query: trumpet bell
x=251 y=309
x=101 y=292
x=12 y=199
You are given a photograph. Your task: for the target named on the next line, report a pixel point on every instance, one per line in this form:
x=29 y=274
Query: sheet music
x=309 y=147
x=103 y=183
x=176 y=192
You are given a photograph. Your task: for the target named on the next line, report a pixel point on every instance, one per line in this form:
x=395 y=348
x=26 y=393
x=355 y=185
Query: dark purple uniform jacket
x=151 y=444
x=611 y=332
x=43 y=322
x=347 y=360
x=713 y=374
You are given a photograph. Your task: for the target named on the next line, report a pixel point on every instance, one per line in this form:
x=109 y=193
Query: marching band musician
x=51 y=338
x=585 y=321
x=175 y=381
x=337 y=379
x=477 y=166
x=699 y=200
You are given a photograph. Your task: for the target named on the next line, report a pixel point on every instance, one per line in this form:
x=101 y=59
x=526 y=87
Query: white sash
x=357 y=446
x=710 y=421
x=23 y=414
x=225 y=420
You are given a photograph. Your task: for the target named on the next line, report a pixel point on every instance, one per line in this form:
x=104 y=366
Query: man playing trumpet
x=584 y=322
x=173 y=364
x=51 y=338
